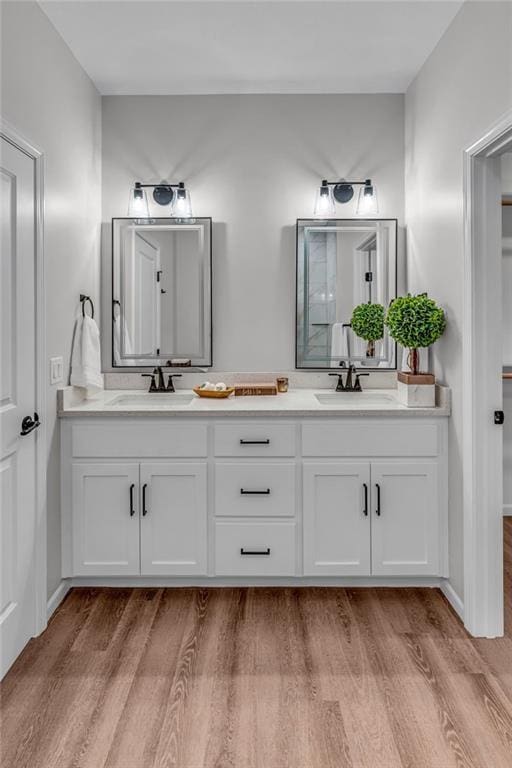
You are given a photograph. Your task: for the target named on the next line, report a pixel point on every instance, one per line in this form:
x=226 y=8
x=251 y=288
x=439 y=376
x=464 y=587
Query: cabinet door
x=173 y=519
x=336 y=519
x=105 y=519
x=405 y=524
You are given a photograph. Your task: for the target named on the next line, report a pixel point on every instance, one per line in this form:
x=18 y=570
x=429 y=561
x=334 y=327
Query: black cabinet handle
x=29 y=424
x=255 y=551
x=132 y=510
x=377 y=511
x=254 y=493
x=255 y=442
x=144 y=510
x=365 y=510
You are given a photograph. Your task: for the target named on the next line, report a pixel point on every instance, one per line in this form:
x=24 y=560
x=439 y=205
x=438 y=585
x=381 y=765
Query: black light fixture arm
x=140 y=185
x=365 y=183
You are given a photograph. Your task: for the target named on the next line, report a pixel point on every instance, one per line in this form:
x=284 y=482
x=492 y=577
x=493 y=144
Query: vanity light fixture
x=182 y=205
x=175 y=197
x=324 y=203
x=138 y=203
x=367 y=204
x=343 y=192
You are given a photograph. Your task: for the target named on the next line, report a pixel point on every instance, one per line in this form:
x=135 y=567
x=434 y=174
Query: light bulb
x=138 y=203
x=182 y=204
x=367 y=204
x=324 y=202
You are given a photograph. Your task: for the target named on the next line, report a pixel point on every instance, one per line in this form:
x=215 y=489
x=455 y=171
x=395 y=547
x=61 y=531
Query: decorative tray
x=221 y=393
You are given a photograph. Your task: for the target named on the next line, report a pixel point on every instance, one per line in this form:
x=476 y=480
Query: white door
x=173 y=519
x=337 y=519
x=17 y=401
x=405 y=519
x=141 y=292
x=105 y=519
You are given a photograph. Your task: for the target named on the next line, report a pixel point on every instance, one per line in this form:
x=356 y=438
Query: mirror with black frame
x=161 y=292
x=341 y=264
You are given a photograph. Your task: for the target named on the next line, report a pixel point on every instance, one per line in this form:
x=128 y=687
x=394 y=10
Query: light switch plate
x=56 y=370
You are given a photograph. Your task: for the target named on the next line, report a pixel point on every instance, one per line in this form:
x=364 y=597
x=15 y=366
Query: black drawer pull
x=144 y=510
x=132 y=510
x=377 y=511
x=255 y=551
x=255 y=442
x=365 y=510
x=254 y=493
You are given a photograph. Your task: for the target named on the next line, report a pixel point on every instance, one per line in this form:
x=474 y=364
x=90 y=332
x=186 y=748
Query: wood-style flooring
x=260 y=678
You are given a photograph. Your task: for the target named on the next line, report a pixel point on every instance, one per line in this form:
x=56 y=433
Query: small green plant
x=368 y=323
x=415 y=321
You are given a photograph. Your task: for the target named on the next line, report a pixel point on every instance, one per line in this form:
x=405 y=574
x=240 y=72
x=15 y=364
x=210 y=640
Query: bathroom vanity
x=305 y=487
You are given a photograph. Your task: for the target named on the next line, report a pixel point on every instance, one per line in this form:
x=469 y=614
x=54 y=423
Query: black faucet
x=160 y=387
x=350 y=385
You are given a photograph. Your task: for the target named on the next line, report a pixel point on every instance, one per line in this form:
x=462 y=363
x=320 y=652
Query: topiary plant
x=415 y=321
x=368 y=323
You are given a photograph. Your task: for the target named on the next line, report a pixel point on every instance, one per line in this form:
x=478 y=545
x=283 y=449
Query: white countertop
x=297 y=402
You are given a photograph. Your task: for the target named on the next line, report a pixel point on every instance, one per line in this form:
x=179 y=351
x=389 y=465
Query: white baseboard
x=507 y=510
x=256 y=581
x=58 y=596
x=453 y=598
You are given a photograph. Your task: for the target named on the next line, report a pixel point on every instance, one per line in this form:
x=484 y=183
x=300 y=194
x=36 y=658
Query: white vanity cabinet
x=378 y=519
x=223 y=499
x=336 y=519
x=255 y=500
x=105 y=519
x=384 y=514
x=405 y=526
x=173 y=519
x=134 y=498
x=131 y=519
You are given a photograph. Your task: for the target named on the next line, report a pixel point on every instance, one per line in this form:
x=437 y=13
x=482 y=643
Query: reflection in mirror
x=342 y=263
x=161 y=308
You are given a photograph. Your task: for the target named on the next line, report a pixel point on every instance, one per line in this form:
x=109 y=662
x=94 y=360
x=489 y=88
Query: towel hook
x=83 y=299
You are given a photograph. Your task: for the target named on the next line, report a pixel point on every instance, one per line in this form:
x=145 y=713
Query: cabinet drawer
x=370 y=438
x=255 y=549
x=255 y=439
x=139 y=440
x=255 y=489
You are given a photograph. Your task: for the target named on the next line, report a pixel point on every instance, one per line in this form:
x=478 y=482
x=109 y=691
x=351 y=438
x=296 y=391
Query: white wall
x=253 y=163
x=465 y=85
x=49 y=99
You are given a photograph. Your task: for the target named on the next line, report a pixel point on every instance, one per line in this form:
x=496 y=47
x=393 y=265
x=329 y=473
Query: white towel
x=339 y=343
x=121 y=327
x=86 y=357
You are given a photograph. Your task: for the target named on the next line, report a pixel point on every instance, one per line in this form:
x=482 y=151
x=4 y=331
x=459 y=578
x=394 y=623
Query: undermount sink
x=353 y=398
x=165 y=399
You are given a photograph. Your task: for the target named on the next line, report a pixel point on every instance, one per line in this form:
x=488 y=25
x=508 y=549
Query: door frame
x=10 y=134
x=482 y=467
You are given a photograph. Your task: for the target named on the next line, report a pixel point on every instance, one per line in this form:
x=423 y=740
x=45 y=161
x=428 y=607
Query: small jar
x=282 y=383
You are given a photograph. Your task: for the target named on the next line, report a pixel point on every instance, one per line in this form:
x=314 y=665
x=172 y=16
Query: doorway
x=506 y=241
x=483 y=383
x=22 y=408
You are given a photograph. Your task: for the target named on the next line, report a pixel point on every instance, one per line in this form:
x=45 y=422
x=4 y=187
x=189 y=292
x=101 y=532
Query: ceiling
x=244 y=46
